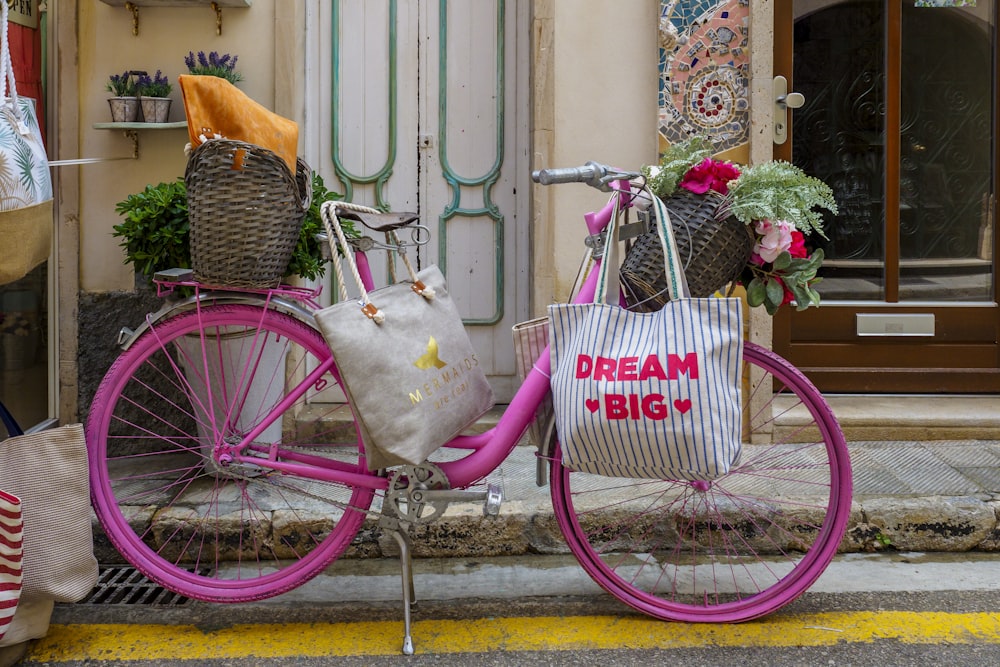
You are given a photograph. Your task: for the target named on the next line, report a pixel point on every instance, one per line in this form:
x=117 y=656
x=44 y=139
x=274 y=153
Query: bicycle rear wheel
x=190 y=518
x=734 y=549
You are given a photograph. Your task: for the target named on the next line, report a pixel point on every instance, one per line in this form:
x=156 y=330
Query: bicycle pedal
x=494 y=496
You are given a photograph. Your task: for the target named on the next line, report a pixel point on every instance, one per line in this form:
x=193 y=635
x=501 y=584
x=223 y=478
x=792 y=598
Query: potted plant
x=155 y=230
x=223 y=66
x=772 y=204
x=153 y=92
x=124 y=104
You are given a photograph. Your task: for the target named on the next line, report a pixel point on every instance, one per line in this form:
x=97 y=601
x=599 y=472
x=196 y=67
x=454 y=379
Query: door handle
x=783 y=101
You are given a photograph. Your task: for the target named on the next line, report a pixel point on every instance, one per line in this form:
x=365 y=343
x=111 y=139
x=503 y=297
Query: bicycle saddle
x=380 y=222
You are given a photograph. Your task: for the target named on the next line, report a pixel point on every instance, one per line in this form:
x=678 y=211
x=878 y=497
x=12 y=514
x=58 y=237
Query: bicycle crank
x=421 y=494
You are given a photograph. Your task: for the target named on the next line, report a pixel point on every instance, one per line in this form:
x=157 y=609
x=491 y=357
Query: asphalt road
x=886 y=609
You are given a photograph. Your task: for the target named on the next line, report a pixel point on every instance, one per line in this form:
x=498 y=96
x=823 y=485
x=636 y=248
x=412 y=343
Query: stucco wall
x=595 y=68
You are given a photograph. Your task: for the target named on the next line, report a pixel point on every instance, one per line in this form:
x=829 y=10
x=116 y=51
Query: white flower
x=775 y=238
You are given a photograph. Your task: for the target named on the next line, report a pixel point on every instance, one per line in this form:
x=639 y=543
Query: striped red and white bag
x=11 y=553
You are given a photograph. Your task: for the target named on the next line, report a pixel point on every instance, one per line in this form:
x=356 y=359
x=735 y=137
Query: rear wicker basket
x=713 y=252
x=246 y=210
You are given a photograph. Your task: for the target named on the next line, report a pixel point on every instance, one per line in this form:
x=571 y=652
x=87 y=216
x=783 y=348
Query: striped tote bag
x=11 y=552
x=648 y=395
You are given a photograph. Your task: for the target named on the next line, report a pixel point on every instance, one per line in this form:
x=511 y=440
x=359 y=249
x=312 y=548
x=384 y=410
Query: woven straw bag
x=713 y=251
x=246 y=209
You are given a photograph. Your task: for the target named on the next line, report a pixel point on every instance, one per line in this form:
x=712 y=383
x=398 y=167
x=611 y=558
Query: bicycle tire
x=734 y=549
x=182 y=518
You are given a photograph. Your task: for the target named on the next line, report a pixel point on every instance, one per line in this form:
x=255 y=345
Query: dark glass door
x=900 y=120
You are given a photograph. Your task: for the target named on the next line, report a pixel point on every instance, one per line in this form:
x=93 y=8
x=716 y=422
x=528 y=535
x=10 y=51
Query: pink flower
x=798 y=247
x=708 y=175
x=775 y=238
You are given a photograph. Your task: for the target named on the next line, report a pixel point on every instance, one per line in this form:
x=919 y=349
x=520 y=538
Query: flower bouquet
x=735 y=224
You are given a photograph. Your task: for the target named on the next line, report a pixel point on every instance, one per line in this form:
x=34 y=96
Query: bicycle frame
x=202 y=497
x=487 y=450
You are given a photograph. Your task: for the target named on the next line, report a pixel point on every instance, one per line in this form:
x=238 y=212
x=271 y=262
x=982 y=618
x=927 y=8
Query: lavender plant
x=213 y=64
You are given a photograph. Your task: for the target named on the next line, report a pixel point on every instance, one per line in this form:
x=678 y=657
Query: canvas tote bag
x=48 y=471
x=405 y=361
x=648 y=395
x=25 y=182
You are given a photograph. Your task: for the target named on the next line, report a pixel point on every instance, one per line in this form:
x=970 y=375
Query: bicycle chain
x=401 y=505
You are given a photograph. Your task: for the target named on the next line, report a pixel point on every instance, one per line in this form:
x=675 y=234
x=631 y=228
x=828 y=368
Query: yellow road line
x=151 y=642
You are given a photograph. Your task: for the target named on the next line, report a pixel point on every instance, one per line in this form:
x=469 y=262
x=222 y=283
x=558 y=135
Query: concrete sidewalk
x=939 y=495
x=934 y=488
x=928 y=496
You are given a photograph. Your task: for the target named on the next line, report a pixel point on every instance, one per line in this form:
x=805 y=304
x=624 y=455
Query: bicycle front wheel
x=166 y=479
x=736 y=548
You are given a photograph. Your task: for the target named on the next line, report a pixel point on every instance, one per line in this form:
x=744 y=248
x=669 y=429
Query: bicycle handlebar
x=594 y=174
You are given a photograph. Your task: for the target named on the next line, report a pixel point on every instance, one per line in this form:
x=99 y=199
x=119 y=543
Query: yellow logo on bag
x=445 y=385
x=430 y=358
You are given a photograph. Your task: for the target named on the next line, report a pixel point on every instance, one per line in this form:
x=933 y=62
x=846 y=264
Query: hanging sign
x=23 y=12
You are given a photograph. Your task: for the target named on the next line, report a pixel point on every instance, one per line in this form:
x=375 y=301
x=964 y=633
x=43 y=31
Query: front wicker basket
x=713 y=252
x=246 y=209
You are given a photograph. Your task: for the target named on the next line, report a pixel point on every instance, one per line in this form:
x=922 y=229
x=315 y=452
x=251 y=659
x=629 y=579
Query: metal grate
x=123 y=584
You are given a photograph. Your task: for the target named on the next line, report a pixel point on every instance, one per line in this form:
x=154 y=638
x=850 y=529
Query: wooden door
x=900 y=120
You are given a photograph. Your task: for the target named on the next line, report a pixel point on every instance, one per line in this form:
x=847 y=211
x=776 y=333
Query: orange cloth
x=216 y=107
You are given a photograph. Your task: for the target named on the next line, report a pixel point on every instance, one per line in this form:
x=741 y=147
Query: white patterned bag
x=648 y=395
x=25 y=182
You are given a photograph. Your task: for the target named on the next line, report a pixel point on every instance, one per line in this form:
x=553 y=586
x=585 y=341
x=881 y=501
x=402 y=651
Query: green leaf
x=778 y=190
x=775 y=292
x=798 y=264
x=771 y=307
x=783 y=261
x=756 y=292
x=801 y=295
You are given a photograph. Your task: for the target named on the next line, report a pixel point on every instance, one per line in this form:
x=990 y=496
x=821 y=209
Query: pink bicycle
x=225 y=465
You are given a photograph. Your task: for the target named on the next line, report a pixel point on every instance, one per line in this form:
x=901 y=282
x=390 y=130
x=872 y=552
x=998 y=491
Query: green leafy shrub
x=155 y=230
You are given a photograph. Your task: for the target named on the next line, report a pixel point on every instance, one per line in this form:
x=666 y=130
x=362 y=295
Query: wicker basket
x=246 y=211
x=713 y=252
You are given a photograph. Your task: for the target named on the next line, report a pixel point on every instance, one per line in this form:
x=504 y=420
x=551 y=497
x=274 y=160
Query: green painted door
x=428 y=112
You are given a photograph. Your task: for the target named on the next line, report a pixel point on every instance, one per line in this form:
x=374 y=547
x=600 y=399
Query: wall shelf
x=216 y=6
x=132 y=130
x=140 y=126
x=178 y=3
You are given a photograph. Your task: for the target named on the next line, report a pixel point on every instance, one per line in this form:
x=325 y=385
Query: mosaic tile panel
x=705 y=71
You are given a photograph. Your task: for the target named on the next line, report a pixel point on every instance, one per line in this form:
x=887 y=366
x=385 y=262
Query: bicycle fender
x=127 y=335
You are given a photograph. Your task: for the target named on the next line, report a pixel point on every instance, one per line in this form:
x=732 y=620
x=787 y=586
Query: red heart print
x=592 y=404
x=682 y=405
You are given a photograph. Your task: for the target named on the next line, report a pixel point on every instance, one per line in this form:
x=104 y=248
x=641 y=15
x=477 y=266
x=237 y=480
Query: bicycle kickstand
x=409 y=593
